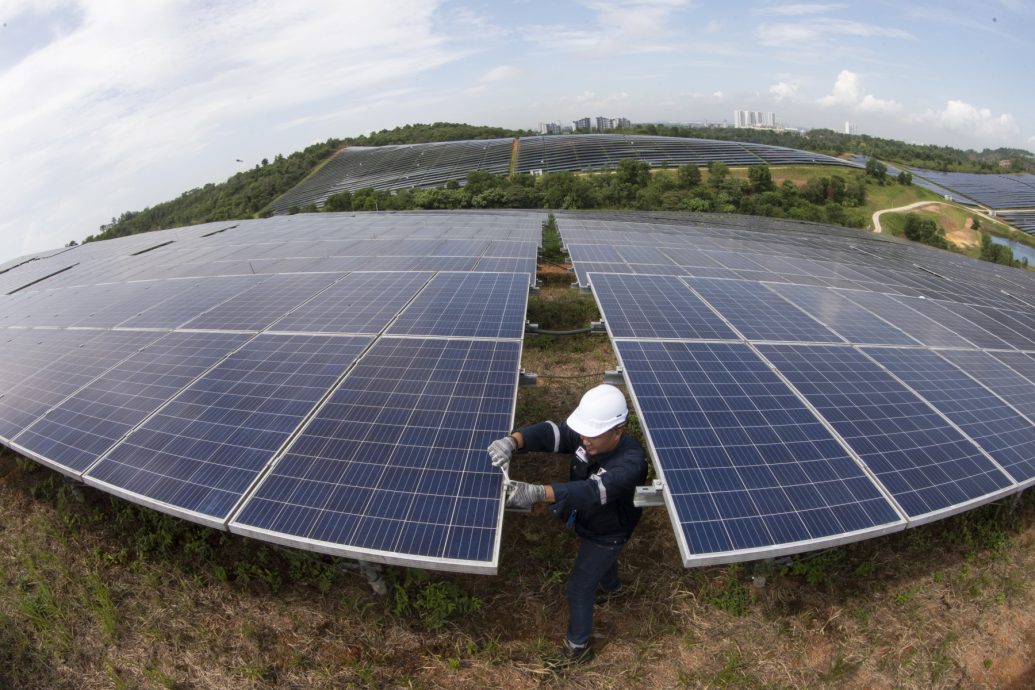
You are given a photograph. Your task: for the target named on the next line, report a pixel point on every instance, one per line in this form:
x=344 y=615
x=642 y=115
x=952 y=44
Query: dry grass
x=96 y=593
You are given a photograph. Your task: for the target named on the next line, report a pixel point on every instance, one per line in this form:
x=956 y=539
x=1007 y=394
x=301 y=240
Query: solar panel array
x=803 y=386
x=1023 y=220
x=991 y=190
x=406 y=166
x=328 y=382
x=570 y=152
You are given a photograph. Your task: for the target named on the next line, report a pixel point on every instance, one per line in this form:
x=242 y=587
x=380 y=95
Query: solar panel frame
x=371 y=380
x=912 y=460
x=861 y=476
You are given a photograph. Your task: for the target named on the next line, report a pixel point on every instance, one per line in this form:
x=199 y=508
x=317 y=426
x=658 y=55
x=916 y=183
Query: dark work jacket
x=600 y=493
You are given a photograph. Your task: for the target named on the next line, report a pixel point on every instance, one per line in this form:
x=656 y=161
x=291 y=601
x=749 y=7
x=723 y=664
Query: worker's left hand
x=522 y=495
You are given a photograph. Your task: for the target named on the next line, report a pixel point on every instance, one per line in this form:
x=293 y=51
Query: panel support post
x=371 y=571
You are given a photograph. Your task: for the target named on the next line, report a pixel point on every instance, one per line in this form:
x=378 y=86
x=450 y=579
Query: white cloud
x=499 y=73
x=848 y=93
x=963 y=117
x=799 y=9
x=143 y=100
x=619 y=27
x=713 y=27
x=815 y=33
x=782 y=90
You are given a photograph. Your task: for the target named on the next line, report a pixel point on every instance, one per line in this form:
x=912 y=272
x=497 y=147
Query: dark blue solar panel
x=196 y=297
x=79 y=430
x=988 y=321
x=925 y=463
x=655 y=307
x=910 y=321
x=395 y=461
x=467 y=305
x=258 y=307
x=358 y=303
x=844 y=317
x=54 y=381
x=747 y=464
x=1007 y=436
x=760 y=314
x=202 y=450
x=26 y=351
x=1003 y=374
x=955 y=322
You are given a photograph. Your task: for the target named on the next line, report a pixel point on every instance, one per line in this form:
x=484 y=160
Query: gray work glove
x=501 y=451
x=522 y=495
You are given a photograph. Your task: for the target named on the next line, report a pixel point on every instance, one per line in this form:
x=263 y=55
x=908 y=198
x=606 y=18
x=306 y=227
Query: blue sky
x=108 y=106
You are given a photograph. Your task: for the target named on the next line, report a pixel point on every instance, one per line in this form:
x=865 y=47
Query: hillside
x=247 y=193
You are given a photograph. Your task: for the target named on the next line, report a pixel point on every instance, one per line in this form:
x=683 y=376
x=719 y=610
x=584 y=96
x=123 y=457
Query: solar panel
x=922 y=460
x=637 y=306
x=748 y=466
x=393 y=468
x=195 y=298
x=259 y=306
x=200 y=452
x=844 y=317
x=71 y=436
x=910 y=321
x=1003 y=374
x=53 y=381
x=467 y=305
x=955 y=322
x=758 y=313
x=358 y=303
x=1000 y=430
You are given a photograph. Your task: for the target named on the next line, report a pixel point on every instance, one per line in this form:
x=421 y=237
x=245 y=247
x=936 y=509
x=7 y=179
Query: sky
x=109 y=106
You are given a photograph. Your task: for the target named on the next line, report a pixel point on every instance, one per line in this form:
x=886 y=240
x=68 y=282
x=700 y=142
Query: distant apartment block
x=755 y=119
x=850 y=128
x=582 y=124
x=553 y=128
x=601 y=124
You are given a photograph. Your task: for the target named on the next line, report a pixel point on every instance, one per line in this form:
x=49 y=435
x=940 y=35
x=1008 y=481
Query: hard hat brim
x=585 y=427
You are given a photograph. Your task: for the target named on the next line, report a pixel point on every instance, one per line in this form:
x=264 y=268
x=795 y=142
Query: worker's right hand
x=501 y=451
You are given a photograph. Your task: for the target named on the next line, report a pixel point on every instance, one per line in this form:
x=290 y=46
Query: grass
x=97 y=593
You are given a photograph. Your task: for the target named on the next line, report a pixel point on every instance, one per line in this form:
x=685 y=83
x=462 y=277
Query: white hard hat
x=601 y=408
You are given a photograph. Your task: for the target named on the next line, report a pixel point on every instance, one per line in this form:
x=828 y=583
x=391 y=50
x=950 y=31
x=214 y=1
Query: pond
x=1019 y=250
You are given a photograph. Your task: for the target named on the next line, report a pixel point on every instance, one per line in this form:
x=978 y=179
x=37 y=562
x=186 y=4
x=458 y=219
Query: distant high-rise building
x=603 y=123
x=850 y=128
x=582 y=124
x=621 y=123
x=754 y=118
x=552 y=128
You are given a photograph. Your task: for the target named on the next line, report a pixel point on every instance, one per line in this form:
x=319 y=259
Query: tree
x=760 y=178
x=689 y=176
x=342 y=201
x=633 y=172
x=877 y=170
x=717 y=173
x=905 y=178
x=996 y=253
x=925 y=230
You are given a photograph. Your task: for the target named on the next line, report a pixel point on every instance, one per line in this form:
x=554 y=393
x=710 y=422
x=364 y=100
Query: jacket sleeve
x=549 y=437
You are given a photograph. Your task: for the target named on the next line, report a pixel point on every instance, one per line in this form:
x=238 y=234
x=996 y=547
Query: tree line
x=833 y=199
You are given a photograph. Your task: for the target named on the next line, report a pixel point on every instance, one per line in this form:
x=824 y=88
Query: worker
x=606 y=467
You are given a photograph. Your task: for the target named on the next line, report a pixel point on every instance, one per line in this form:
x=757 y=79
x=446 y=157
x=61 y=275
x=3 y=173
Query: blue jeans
x=596 y=564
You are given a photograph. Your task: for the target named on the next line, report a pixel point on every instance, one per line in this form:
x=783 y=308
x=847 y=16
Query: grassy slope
x=97 y=593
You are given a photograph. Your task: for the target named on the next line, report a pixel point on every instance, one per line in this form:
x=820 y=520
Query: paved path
x=917 y=204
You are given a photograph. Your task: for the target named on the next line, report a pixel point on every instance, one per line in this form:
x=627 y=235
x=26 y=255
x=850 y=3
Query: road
x=916 y=204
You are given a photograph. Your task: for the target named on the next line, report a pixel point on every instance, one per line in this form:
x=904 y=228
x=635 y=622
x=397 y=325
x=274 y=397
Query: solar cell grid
x=847 y=319
x=52 y=382
x=748 y=466
x=908 y=320
x=201 y=451
x=74 y=434
x=358 y=303
x=195 y=298
x=393 y=467
x=655 y=307
x=925 y=463
x=1001 y=431
x=758 y=313
x=475 y=305
x=259 y=306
